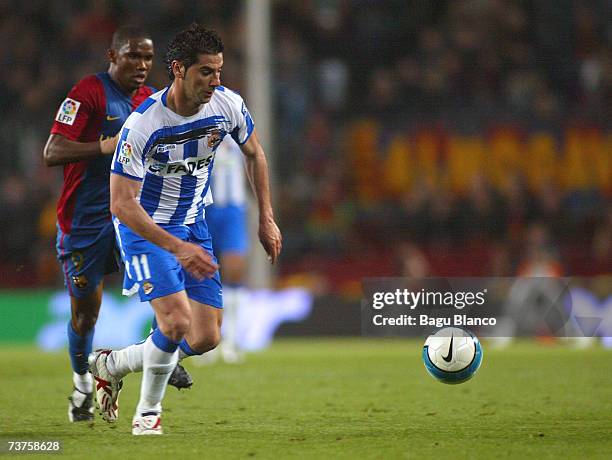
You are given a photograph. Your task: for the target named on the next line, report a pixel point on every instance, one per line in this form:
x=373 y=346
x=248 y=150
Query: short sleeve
x=83 y=103
x=128 y=157
x=244 y=123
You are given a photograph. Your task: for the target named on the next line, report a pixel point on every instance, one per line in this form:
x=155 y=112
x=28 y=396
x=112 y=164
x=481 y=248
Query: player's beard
x=204 y=98
x=196 y=95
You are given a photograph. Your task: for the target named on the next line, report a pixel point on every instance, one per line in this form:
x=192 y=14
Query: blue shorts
x=228 y=228
x=154 y=272
x=84 y=267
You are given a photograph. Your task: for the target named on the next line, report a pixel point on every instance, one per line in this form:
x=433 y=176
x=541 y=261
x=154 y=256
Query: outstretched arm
x=257 y=172
x=59 y=150
x=125 y=205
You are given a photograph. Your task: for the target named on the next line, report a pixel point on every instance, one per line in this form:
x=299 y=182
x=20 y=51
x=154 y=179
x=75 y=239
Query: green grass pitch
x=341 y=398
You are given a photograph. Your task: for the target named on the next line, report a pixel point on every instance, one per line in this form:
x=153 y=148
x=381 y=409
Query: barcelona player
x=82 y=139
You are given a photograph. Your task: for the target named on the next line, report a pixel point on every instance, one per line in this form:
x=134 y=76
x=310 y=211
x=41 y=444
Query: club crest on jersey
x=68 y=111
x=214 y=139
x=125 y=152
x=147 y=287
x=80 y=281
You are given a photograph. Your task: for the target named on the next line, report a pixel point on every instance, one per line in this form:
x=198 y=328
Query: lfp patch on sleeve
x=125 y=152
x=68 y=111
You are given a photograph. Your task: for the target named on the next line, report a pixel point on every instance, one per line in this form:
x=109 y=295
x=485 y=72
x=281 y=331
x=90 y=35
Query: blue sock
x=79 y=349
x=184 y=346
x=162 y=342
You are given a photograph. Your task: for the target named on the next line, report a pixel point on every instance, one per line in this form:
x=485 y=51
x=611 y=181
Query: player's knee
x=174 y=321
x=83 y=322
x=182 y=326
x=176 y=328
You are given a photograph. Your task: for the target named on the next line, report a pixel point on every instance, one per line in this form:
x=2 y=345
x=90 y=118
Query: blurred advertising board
x=41 y=317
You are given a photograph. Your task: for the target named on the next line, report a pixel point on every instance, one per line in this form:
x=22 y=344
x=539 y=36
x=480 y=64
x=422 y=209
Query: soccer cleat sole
x=147 y=432
x=180 y=378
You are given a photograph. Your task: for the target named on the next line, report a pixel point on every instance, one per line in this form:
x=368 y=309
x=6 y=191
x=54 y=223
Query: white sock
x=128 y=359
x=157 y=367
x=83 y=382
x=232 y=299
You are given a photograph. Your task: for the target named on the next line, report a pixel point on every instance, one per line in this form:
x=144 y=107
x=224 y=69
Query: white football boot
x=147 y=423
x=107 y=386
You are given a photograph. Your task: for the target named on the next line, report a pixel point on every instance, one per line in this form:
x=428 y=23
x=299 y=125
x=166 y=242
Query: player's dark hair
x=189 y=43
x=124 y=33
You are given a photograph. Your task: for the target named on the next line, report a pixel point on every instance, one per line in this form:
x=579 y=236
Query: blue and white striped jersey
x=228 y=178
x=173 y=156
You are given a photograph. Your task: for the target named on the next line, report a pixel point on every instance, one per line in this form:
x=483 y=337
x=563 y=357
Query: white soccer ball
x=452 y=355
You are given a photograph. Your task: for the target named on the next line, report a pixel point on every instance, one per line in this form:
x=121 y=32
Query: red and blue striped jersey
x=95 y=109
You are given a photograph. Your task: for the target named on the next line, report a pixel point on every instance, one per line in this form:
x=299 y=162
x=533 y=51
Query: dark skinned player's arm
x=59 y=150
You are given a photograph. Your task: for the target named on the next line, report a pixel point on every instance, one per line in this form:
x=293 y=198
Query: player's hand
x=270 y=238
x=107 y=146
x=196 y=260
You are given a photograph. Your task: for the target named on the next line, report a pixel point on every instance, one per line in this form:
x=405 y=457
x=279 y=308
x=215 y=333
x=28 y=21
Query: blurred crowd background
x=420 y=138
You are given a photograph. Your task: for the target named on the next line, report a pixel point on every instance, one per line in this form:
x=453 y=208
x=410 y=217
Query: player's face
x=132 y=62
x=203 y=77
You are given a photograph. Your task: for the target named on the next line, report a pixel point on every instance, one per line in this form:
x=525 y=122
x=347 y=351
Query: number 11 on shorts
x=141 y=267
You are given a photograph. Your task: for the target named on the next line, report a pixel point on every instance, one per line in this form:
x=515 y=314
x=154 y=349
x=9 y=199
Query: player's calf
x=205 y=343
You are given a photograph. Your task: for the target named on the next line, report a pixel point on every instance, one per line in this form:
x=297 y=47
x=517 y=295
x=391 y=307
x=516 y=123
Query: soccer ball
x=452 y=355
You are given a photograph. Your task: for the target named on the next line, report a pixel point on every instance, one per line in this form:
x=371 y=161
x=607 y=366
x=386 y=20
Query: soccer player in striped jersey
x=83 y=139
x=159 y=190
x=227 y=223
